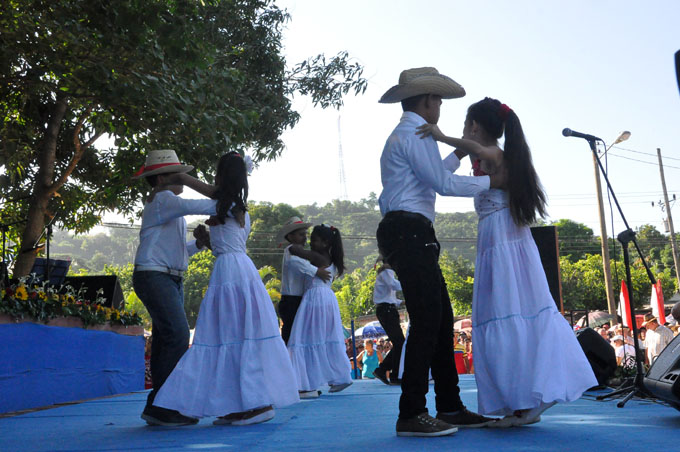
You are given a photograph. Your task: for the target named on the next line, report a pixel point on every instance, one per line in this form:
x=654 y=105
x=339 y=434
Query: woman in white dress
x=237 y=367
x=317 y=342
x=527 y=357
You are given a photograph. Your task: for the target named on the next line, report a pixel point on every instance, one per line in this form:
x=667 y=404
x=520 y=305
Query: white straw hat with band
x=161 y=161
x=293 y=224
x=422 y=80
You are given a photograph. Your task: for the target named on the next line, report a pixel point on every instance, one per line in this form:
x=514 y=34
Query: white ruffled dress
x=525 y=352
x=317 y=341
x=238 y=361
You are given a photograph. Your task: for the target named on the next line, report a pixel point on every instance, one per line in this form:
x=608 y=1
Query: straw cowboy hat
x=649 y=318
x=422 y=80
x=293 y=224
x=161 y=162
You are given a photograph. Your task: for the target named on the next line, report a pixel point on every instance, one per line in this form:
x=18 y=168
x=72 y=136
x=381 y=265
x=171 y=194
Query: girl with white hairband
x=237 y=367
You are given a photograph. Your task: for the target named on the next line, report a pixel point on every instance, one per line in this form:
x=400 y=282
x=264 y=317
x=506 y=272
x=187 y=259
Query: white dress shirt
x=656 y=341
x=385 y=289
x=413 y=172
x=293 y=271
x=162 y=239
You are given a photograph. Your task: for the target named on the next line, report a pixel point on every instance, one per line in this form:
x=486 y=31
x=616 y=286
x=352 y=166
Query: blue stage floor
x=361 y=418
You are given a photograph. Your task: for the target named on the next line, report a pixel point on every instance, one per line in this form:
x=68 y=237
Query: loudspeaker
x=548 y=248
x=600 y=354
x=113 y=293
x=663 y=378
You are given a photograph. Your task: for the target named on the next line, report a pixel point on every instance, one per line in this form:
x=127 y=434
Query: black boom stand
x=637 y=388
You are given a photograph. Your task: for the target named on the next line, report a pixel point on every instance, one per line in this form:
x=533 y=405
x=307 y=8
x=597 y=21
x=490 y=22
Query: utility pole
x=670 y=217
x=606 y=263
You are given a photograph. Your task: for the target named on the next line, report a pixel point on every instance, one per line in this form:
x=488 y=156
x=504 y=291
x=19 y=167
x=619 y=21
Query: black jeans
x=288 y=307
x=408 y=243
x=163 y=296
x=388 y=316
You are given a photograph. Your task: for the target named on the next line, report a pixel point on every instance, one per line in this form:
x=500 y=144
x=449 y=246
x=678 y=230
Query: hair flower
x=249 y=164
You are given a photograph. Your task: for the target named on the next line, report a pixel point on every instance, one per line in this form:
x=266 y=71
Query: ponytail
x=527 y=198
x=331 y=235
x=232 y=185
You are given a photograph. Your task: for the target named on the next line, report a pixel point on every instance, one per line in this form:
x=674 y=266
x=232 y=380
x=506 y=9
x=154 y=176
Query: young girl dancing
x=238 y=366
x=317 y=342
x=526 y=355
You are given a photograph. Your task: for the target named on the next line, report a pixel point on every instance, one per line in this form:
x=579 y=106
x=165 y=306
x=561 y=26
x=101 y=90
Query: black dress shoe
x=465 y=419
x=154 y=415
x=381 y=374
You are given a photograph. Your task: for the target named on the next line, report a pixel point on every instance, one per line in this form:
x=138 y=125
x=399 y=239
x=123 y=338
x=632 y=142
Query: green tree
x=459 y=276
x=196 y=280
x=272 y=283
x=576 y=240
x=265 y=221
x=153 y=74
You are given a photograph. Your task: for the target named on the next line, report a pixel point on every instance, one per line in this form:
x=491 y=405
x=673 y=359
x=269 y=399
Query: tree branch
x=78 y=154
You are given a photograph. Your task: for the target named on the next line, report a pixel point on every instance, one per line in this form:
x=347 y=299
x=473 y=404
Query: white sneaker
x=309 y=394
x=534 y=415
x=263 y=414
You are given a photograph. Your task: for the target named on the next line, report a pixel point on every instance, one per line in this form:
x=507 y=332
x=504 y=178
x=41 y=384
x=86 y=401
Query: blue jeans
x=163 y=296
x=408 y=243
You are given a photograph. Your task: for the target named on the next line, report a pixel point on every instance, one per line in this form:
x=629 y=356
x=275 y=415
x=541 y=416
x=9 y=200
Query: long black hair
x=527 y=198
x=331 y=235
x=231 y=181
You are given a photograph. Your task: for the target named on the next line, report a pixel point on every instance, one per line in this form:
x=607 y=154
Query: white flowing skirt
x=317 y=342
x=238 y=360
x=525 y=352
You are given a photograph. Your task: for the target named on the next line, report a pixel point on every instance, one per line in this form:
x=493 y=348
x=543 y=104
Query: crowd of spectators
x=652 y=339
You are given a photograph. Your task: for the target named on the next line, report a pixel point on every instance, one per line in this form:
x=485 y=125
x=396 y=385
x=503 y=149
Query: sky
x=596 y=67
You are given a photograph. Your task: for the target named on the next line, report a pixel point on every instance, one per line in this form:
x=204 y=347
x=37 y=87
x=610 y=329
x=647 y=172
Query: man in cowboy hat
x=657 y=337
x=293 y=271
x=412 y=174
x=161 y=260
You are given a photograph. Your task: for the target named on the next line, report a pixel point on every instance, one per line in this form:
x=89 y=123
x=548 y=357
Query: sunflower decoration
x=21 y=293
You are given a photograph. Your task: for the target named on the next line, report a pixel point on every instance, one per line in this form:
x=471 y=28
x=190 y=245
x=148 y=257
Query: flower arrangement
x=42 y=302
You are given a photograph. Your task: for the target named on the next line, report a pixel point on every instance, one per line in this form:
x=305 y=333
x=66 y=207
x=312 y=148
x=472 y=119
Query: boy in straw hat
x=293 y=271
x=161 y=260
x=412 y=173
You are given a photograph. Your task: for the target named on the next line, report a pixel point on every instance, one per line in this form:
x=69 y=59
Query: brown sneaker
x=465 y=419
x=424 y=425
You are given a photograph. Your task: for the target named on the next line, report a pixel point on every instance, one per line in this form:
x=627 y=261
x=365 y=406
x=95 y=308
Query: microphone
x=572 y=133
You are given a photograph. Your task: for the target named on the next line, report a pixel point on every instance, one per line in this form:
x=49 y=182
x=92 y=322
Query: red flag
x=658 y=307
x=624 y=306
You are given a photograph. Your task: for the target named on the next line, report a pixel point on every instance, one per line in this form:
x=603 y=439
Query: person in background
x=369 y=359
x=387 y=311
x=656 y=338
x=625 y=354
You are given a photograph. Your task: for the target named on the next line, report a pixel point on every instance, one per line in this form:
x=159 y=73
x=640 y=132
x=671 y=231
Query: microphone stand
x=47 y=232
x=625 y=238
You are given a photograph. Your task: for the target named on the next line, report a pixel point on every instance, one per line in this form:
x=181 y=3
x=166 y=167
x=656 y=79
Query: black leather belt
x=408 y=215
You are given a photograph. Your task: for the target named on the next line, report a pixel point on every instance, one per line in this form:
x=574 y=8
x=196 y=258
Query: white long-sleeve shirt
x=162 y=238
x=293 y=271
x=413 y=172
x=386 y=287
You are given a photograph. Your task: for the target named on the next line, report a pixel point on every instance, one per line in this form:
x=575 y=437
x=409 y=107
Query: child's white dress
x=525 y=351
x=238 y=361
x=317 y=342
